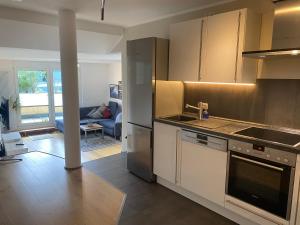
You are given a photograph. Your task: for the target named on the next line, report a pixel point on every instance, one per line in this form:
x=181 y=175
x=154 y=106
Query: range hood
x=286 y=31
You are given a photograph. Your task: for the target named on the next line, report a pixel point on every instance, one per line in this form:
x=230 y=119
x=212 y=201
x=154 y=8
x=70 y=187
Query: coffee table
x=91 y=127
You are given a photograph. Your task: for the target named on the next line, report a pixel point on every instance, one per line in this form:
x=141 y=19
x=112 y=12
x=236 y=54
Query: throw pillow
x=106 y=113
x=96 y=114
x=91 y=112
x=102 y=108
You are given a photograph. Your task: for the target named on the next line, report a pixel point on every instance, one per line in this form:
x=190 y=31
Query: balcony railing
x=38 y=114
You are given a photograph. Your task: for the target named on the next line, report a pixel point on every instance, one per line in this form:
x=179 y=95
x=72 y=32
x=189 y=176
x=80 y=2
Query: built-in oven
x=262 y=177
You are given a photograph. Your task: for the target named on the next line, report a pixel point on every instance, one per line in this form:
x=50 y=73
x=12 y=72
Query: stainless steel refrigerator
x=147 y=62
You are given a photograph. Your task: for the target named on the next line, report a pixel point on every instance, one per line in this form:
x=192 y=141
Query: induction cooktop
x=271 y=135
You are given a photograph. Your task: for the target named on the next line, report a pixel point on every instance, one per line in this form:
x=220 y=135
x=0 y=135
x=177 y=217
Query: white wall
x=94 y=80
x=93 y=84
x=115 y=72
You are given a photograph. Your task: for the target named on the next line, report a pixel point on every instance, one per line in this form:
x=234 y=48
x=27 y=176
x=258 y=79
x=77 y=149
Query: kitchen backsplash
x=272 y=102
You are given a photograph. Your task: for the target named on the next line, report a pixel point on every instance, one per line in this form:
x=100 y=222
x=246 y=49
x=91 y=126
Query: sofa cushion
x=109 y=123
x=89 y=120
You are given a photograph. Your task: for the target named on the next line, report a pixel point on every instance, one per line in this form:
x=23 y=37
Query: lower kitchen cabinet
x=194 y=164
x=203 y=170
x=165 y=151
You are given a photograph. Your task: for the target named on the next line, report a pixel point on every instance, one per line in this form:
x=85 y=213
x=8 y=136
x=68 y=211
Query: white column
x=68 y=57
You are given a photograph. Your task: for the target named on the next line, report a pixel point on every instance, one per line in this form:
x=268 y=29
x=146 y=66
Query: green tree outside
x=29 y=80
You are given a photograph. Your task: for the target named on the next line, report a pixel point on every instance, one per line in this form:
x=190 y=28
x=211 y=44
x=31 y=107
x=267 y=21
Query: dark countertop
x=227 y=131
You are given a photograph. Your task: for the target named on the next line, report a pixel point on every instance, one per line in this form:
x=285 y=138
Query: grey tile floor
x=151 y=204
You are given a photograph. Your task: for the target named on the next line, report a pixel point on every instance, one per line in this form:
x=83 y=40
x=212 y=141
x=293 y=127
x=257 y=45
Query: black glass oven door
x=261 y=183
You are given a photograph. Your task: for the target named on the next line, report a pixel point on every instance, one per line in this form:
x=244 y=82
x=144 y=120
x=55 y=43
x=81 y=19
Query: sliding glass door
x=40 y=96
x=34 y=96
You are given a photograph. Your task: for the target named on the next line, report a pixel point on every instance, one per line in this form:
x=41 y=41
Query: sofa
x=112 y=126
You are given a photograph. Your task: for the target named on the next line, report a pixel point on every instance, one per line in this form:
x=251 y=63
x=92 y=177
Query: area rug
x=97 y=142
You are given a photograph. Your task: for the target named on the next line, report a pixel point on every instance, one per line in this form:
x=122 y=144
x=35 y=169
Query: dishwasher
x=202 y=165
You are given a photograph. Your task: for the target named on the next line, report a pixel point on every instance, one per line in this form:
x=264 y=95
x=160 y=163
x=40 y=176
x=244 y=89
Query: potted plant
x=14 y=103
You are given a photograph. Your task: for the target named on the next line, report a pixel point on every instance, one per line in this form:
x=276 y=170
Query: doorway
x=40 y=97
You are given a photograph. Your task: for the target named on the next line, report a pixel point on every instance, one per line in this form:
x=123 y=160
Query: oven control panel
x=260 y=151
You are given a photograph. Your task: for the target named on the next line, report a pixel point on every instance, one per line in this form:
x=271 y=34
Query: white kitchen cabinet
x=165 y=151
x=185 y=49
x=203 y=168
x=220 y=46
x=249 y=39
x=221 y=40
x=226 y=36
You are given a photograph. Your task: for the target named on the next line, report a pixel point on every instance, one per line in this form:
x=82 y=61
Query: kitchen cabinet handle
x=237 y=48
x=177 y=170
x=252 y=211
x=257 y=163
x=200 y=51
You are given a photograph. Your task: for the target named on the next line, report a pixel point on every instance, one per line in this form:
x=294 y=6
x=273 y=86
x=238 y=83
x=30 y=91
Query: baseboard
x=38 y=131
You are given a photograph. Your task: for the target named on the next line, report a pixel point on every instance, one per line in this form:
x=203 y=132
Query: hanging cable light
x=102 y=9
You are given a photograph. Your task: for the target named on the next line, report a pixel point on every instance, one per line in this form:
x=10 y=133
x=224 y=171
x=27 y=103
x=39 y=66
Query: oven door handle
x=258 y=163
x=254 y=212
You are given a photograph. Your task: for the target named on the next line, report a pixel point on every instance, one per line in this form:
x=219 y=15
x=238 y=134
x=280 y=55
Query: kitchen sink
x=211 y=123
x=180 y=118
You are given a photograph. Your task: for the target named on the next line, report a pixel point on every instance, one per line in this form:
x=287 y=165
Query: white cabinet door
x=220 y=48
x=203 y=171
x=165 y=150
x=185 y=48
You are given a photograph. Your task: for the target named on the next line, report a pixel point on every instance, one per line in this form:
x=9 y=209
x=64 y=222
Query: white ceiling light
x=17 y=0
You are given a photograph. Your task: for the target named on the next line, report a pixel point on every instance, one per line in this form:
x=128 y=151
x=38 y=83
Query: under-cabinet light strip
x=220 y=83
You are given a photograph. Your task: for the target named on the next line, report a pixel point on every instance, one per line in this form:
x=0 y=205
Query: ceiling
x=118 y=12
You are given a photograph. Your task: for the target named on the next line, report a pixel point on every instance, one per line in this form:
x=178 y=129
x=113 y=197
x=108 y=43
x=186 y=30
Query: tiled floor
x=55 y=145
x=151 y=204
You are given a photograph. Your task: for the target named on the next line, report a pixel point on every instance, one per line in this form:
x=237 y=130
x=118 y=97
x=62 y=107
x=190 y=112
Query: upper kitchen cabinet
x=221 y=40
x=185 y=50
x=226 y=36
x=220 y=47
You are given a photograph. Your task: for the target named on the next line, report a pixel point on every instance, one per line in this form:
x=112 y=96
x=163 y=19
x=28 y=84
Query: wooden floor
x=55 y=146
x=151 y=204
x=39 y=191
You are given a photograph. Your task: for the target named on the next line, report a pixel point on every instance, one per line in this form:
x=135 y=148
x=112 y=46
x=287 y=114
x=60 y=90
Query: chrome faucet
x=201 y=107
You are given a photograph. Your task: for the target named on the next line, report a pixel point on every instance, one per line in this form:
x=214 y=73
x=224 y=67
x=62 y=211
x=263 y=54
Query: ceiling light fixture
x=102 y=9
